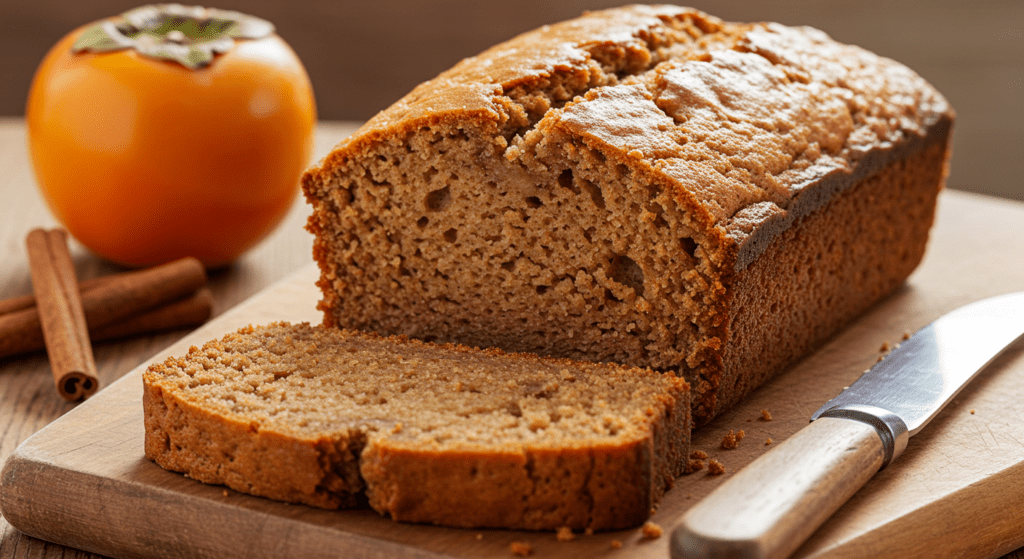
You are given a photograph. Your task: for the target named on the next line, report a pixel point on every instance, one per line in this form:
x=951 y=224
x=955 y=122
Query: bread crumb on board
x=885 y=347
x=698 y=455
x=768 y=442
x=588 y=532
x=732 y=439
x=766 y=415
x=715 y=467
x=650 y=530
x=521 y=549
x=565 y=534
x=693 y=465
x=616 y=544
x=479 y=537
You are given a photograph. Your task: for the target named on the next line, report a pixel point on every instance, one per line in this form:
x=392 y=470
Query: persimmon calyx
x=189 y=35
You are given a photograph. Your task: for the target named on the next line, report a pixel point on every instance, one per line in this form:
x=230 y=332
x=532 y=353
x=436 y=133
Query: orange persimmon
x=147 y=158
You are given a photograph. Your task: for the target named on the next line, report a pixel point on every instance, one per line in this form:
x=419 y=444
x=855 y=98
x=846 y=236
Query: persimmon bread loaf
x=649 y=186
x=437 y=434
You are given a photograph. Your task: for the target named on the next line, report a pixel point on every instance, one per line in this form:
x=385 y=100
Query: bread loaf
x=648 y=186
x=444 y=435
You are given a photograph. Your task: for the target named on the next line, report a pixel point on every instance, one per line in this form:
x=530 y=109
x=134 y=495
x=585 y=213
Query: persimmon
x=170 y=131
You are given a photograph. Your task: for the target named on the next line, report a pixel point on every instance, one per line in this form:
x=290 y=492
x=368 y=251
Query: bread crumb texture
x=715 y=467
x=650 y=530
x=629 y=187
x=309 y=414
x=732 y=439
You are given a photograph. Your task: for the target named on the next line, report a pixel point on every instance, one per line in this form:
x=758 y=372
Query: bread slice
x=434 y=434
x=645 y=185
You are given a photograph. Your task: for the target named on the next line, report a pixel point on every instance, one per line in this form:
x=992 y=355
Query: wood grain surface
x=961 y=479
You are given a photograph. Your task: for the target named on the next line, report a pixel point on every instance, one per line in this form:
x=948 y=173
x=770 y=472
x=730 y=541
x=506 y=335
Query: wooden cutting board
x=84 y=482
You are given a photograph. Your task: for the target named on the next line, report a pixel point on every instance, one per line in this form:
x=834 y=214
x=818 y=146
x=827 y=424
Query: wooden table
x=28 y=400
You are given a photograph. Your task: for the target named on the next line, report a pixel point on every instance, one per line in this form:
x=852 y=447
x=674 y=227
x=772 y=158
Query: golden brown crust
x=664 y=153
x=437 y=434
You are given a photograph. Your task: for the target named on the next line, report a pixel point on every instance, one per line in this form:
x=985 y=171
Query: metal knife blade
x=918 y=378
x=769 y=508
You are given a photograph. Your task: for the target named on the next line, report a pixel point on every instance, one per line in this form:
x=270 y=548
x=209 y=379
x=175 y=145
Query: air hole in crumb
x=595 y=193
x=534 y=202
x=513 y=409
x=565 y=180
x=627 y=272
x=609 y=296
x=508 y=266
x=422 y=222
x=429 y=339
x=689 y=246
x=429 y=174
x=542 y=289
x=439 y=199
x=450 y=235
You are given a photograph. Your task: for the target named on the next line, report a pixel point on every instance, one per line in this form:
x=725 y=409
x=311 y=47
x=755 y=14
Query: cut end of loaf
x=435 y=434
x=597 y=189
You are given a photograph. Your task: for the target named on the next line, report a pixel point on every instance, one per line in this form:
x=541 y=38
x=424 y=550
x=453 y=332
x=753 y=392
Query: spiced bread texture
x=649 y=186
x=436 y=434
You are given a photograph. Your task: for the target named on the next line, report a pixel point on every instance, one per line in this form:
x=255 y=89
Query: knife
x=768 y=509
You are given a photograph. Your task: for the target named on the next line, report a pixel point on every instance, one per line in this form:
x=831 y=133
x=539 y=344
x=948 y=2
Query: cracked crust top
x=751 y=126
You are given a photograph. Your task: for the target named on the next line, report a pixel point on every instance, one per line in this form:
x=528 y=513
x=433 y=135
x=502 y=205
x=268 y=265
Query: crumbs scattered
x=880 y=358
x=651 y=530
x=693 y=465
x=521 y=549
x=565 y=534
x=698 y=455
x=768 y=442
x=885 y=347
x=715 y=467
x=479 y=537
x=732 y=439
x=972 y=412
x=616 y=544
x=226 y=491
x=906 y=336
x=588 y=532
x=766 y=415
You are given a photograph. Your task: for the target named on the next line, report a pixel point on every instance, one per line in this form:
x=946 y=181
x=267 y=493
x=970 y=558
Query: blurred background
x=362 y=56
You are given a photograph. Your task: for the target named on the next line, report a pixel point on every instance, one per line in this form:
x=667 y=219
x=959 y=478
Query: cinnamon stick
x=132 y=303
x=61 y=315
x=20 y=332
x=133 y=292
x=14 y=304
x=190 y=311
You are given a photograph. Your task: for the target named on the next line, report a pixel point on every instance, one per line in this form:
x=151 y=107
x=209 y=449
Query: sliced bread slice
x=436 y=434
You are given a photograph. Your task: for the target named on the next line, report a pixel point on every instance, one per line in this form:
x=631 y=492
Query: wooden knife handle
x=769 y=508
